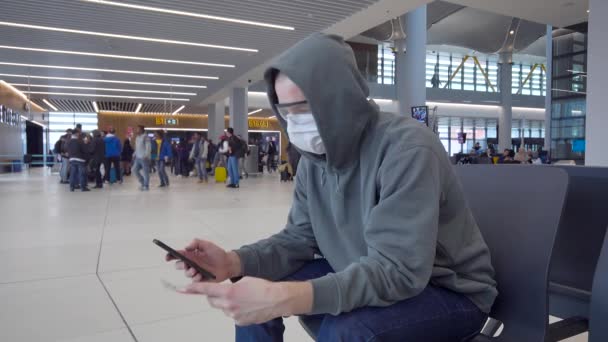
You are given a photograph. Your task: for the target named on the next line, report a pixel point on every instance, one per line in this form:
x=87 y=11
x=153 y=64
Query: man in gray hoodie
x=379 y=243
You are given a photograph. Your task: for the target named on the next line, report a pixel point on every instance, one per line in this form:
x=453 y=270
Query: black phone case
x=203 y=272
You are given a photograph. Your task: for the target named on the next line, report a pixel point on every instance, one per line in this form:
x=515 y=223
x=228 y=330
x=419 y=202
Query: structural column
x=216 y=113
x=597 y=85
x=505 y=68
x=548 y=76
x=411 y=66
x=238 y=112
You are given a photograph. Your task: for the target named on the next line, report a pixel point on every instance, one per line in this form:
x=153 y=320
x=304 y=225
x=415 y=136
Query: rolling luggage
x=220 y=174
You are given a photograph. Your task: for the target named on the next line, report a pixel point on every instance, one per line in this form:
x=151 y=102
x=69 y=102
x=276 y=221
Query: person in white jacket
x=199 y=153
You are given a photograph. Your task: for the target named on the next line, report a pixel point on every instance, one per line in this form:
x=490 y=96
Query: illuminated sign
x=160 y=121
x=259 y=123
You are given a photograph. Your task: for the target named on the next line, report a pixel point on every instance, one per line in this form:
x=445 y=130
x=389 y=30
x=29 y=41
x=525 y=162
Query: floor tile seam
x=34 y=280
x=170 y=318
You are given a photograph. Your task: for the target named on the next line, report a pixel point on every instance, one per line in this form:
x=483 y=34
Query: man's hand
x=223 y=265
x=254 y=300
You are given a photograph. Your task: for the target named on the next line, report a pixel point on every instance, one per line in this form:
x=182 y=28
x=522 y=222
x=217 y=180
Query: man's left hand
x=255 y=300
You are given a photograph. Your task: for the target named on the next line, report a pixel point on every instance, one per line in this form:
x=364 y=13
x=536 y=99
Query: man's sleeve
x=283 y=253
x=400 y=234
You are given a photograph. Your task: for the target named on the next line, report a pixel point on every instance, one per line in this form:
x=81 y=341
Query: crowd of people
x=509 y=156
x=102 y=158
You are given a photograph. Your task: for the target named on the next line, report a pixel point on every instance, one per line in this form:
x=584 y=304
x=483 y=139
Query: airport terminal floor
x=82 y=266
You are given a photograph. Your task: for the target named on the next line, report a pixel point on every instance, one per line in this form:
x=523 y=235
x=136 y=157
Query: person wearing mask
x=126 y=157
x=377 y=198
x=113 y=150
x=164 y=157
x=78 y=154
x=234 y=151
x=198 y=154
x=143 y=151
x=65 y=157
x=99 y=154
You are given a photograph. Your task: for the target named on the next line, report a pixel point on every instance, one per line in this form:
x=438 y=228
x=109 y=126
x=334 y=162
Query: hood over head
x=324 y=67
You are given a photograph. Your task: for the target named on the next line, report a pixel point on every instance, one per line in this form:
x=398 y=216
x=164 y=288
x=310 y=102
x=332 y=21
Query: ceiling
x=305 y=17
x=559 y=13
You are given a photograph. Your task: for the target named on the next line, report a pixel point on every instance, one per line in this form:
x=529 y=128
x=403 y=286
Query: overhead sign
x=161 y=121
x=259 y=123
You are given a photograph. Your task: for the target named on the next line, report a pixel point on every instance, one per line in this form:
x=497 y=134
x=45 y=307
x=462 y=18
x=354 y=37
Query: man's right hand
x=223 y=265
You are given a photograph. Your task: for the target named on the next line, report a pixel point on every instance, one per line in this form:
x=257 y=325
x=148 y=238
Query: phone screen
x=203 y=272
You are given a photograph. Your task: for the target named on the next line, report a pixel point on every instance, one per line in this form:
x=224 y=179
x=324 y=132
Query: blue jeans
x=162 y=172
x=233 y=170
x=78 y=174
x=435 y=315
x=63 y=172
x=201 y=168
x=145 y=165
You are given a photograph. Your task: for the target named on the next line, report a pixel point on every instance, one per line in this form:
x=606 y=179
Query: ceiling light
x=138 y=108
x=255 y=111
x=95 y=107
x=512 y=32
x=50 y=105
x=108 y=70
x=102 y=89
x=272 y=117
x=21 y=95
x=94 y=54
x=587 y=11
x=104 y=81
x=190 y=14
x=111 y=96
x=122 y=36
x=178 y=110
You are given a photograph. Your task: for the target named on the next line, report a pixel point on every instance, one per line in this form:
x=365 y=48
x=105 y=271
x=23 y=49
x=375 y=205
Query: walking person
x=271 y=152
x=143 y=150
x=199 y=154
x=126 y=157
x=164 y=157
x=99 y=154
x=234 y=151
x=78 y=152
x=113 y=150
x=243 y=154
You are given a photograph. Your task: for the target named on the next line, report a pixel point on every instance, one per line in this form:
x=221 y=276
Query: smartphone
x=172 y=252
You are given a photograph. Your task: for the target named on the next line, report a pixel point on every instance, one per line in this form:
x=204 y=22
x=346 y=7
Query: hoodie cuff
x=250 y=265
x=326 y=295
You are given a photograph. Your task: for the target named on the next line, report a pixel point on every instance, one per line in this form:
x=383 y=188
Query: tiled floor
x=81 y=267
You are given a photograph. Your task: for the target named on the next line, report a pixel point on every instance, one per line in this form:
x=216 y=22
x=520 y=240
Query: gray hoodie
x=382 y=206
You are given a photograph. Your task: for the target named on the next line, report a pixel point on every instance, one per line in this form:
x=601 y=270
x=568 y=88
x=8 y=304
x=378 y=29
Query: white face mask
x=303 y=133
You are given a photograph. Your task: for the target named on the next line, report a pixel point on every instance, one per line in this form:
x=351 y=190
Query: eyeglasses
x=295 y=108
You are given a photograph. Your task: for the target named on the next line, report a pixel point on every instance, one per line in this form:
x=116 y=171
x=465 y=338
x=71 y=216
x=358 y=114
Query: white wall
x=597 y=85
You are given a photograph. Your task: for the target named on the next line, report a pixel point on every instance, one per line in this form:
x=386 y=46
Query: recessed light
x=178 y=109
x=190 y=14
x=104 y=55
x=111 y=96
x=101 y=89
x=108 y=70
x=123 y=36
x=138 y=108
x=255 y=111
x=587 y=11
x=512 y=32
x=95 y=107
x=50 y=105
x=105 y=81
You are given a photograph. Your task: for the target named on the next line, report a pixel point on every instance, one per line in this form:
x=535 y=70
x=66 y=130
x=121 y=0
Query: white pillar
x=238 y=112
x=411 y=87
x=548 y=86
x=216 y=112
x=597 y=83
x=505 y=118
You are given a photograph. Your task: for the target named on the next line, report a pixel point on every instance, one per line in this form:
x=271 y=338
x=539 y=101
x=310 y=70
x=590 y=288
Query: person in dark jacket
x=99 y=154
x=113 y=149
x=126 y=157
x=78 y=153
x=65 y=159
x=164 y=156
